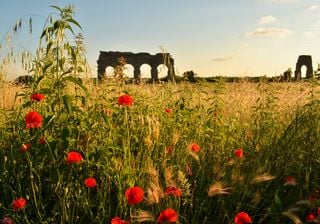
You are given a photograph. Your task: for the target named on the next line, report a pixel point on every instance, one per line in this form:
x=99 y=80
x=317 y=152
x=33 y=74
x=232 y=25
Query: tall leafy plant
x=59 y=62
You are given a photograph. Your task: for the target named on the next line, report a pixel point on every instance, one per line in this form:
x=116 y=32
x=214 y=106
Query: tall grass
x=127 y=146
x=173 y=138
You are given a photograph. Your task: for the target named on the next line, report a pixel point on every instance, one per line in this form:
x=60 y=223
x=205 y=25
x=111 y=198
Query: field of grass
x=149 y=144
x=73 y=152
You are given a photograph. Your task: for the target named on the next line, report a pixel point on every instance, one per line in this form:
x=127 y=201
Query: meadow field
x=208 y=151
x=76 y=152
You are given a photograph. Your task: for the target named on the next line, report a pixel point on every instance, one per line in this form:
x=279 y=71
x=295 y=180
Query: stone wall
x=110 y=58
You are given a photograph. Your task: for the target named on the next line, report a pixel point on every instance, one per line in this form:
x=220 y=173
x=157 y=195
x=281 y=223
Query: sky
x=210 y=37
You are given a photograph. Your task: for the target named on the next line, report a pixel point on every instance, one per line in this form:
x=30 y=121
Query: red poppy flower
x=74 y=157
x=37 y=97
x=319 y=211
x=314 y=196
x=42 y=140
x=117 y=220
x=175 y=191
x=242 y=218
x=6 y=220
x=194 y=147
x=90 y=182
x=168 y=110
x=238 y=153
x=168 y=215
x=134 y=195
x=310 y=217
x=290 y=181
x=169 y=150
x=25 y=147
x=33 y=120
x=19 y=203
x=125 y=100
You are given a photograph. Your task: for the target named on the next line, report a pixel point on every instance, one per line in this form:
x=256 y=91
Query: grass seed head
x=218 y=188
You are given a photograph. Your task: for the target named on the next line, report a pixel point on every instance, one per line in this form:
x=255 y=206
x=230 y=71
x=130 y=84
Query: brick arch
x=307 y=61
x=110 y=58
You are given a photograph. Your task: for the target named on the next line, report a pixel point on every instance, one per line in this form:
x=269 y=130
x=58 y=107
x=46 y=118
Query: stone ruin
x=23 y=80
x=111 y=58
x=307 y=61
x=287 y=75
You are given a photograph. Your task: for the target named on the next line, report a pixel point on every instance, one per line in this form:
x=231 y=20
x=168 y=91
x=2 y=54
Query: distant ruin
x=307 y=61
x=110 y=58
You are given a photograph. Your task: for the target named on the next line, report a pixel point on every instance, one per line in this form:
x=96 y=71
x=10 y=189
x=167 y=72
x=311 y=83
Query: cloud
x=270 y=32
x=222 y=59
x=267 y=20
x=313 y=7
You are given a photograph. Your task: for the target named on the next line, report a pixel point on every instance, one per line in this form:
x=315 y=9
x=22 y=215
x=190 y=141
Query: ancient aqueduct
x=111 y=58
x=307 y=61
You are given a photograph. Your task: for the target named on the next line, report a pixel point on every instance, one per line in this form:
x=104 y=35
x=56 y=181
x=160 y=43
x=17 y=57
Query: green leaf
x=73 y=53
x=19 y=94
x=69 y=28
x=46 y=66
x=46 y=31
x=74 y=22
x=47 y=121
x=27 y=104
x=66 y=132
x=56 y=7
x=83 y=99
x=49 y=46
x=75 y=80
x=277 y=200
x=62 y=62
x=58 y=25
x=47 y=91
x=67 y=103
x=67 y=72
x=80 y=69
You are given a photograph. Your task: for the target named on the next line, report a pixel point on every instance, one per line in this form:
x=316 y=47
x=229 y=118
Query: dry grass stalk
x=193 y=154
x=218 y=188
x=148 y=142
x=142 y=216
x=256 y=198
x=169 y=177
x=175 y=138
x=294 y=218
x=154 y=191
x=184 y=183
x=262 y=178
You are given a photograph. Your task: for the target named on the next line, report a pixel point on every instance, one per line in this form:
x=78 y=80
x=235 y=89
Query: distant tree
x=287 y=75
x=190 y=76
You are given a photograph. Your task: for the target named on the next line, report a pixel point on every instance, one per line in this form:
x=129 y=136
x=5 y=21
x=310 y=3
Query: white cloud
x=267 y=20
x=222 y=59
x=270 y=32
x=313 y=7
